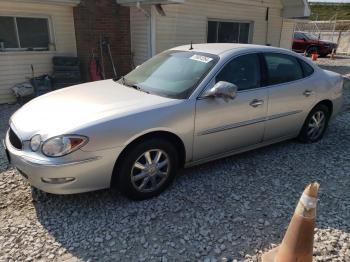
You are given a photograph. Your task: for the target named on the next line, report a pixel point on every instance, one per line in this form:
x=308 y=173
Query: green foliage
x=326 y=12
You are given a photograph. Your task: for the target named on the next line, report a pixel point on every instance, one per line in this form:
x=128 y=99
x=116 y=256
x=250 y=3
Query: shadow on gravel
x=244 y=202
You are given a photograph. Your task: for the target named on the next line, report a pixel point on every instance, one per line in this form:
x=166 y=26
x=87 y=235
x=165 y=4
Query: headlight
x=35 y=143
x=63 y=145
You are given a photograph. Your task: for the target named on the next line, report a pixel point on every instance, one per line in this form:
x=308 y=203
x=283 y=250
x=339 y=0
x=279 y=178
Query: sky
x=330 y=1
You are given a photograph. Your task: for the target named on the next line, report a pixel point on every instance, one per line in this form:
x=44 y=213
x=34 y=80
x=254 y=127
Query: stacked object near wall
x=66 y=71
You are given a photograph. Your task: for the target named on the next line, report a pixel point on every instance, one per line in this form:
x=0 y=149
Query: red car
x=310 y=43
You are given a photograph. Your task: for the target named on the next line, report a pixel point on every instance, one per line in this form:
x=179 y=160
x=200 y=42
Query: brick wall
x=94 y=18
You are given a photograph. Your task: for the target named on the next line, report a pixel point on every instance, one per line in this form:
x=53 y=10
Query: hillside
x=326 y=12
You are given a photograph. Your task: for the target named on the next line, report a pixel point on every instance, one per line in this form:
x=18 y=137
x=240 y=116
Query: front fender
x=177 y=118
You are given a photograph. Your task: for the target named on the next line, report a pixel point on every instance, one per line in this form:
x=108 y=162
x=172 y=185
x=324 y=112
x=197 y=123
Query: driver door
x=299 y=42
x=223 y=125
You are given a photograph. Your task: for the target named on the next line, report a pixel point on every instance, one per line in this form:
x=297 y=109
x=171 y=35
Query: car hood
x=68 y=109
x=327 y=42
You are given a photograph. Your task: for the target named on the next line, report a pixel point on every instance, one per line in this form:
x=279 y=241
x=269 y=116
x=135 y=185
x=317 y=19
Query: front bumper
x=88 y=171
x=328 y=50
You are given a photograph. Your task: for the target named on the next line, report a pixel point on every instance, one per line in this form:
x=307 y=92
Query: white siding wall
x=140 y=37
x=188 y=22
x=287 y=33
x=15 y=66
x=275 y=27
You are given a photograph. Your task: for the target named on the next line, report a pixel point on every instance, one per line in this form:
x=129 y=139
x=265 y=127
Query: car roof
x=220 y=48
x=304 y=32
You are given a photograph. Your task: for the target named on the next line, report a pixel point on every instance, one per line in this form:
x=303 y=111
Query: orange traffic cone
x=297 y=244
x=333 y=54
x=314 y=56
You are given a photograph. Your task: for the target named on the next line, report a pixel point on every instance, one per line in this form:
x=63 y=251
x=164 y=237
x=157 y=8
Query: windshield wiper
x=122 y=80
x=138 y=88
x=135 y=86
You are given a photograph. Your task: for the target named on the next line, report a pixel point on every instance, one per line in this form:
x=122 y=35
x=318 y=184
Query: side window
x=307 y=69
x=282 y=68
x=243 y=71
x=299 y=36
x=25 y=33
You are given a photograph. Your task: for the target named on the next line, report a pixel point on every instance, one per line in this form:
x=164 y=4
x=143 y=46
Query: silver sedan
x=181 y=108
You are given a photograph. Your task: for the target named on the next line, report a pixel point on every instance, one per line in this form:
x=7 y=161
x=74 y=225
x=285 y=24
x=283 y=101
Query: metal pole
x=111 y=57
x=334 y=26
x=102 y=60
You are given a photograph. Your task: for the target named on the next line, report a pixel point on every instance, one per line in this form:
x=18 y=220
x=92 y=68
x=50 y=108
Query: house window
x=228 y=32
x=24 y=33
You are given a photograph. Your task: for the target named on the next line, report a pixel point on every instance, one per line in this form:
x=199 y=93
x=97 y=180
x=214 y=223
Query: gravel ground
x=236 y=207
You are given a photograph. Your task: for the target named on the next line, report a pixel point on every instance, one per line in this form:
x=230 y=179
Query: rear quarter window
x=307 y=69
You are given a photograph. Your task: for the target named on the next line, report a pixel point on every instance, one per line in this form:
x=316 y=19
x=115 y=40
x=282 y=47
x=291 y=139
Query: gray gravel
x=236 y=207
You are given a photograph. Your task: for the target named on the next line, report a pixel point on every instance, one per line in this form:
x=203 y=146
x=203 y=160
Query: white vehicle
x=182 y=107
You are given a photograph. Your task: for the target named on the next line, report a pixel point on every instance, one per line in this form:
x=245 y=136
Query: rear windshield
x=173 y=74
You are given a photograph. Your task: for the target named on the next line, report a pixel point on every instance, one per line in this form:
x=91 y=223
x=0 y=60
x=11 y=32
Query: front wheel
x=147 y=169
x=315 y=124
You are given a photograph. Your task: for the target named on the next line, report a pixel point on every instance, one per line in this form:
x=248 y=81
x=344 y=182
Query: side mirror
x=222 y=89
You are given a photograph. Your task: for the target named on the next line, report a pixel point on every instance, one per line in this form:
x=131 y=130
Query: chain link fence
x=332 y=30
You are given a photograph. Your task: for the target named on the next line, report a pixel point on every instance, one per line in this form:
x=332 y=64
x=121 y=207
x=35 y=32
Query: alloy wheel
x=150 y=170
x=316 y=125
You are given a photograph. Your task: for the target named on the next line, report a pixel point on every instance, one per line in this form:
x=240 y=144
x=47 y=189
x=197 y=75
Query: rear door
x=291 y=94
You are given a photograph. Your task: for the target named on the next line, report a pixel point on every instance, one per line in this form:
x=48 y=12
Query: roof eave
x=51 y=2
x=297 y=9
x=149 y=2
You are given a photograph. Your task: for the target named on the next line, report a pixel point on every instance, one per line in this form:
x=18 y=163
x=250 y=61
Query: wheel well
x=311 y=46
x=328 y=104
x=174 y=139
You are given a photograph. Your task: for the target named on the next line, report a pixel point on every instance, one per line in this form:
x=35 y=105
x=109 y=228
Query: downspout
x=267 y=18
x=282 y=24
x=150 y=32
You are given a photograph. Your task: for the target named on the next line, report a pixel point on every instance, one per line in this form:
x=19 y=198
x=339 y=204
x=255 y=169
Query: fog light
x=57 y=180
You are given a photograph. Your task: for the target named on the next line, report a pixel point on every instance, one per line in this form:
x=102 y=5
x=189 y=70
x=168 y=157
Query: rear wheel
x=315 y=124
x=147 y=169
x=312 y=50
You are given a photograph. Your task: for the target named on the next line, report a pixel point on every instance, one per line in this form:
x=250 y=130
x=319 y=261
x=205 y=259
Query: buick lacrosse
x=183 y=107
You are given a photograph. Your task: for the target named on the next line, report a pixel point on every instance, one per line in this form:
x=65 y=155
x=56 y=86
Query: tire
x=318 y=112
x=311 y=50
x=162 y=174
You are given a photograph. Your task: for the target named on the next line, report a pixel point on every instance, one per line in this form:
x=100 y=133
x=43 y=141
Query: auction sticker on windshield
x=201 y=58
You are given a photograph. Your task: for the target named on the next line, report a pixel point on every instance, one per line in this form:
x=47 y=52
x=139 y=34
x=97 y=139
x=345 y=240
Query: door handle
x=308 y=93
x=256 y=103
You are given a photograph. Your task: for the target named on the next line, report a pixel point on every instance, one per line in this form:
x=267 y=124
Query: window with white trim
x=229 y=32
x=24 y=33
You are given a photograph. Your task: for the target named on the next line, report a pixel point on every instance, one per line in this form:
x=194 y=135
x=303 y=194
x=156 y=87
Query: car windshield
x=173 y=74
x=311 y=36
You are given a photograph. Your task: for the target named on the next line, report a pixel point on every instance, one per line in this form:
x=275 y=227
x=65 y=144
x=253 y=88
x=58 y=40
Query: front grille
x=14 y=140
